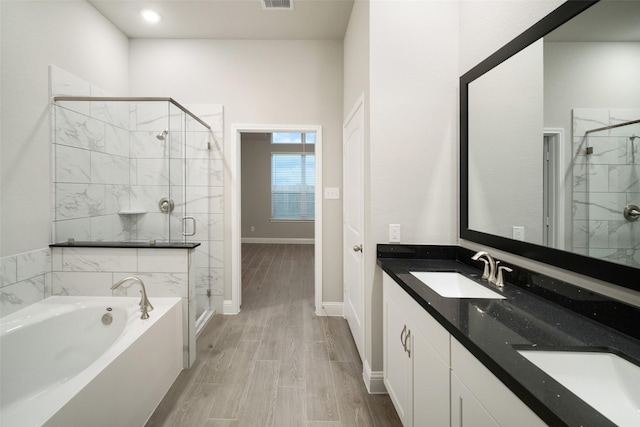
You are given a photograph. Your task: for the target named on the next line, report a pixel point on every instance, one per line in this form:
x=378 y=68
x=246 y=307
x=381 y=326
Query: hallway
x=276 y=363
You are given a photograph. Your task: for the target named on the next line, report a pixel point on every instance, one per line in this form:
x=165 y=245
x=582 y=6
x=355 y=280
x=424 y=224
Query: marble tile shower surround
x=199 y=191
x=28 y=278
x=604 y=183
x=102 y=169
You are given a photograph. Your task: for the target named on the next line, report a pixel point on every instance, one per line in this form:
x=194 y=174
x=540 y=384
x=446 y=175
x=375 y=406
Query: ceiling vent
x=277 y=4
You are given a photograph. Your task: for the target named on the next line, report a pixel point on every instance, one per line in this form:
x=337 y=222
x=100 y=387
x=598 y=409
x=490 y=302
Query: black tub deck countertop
x=538 y=313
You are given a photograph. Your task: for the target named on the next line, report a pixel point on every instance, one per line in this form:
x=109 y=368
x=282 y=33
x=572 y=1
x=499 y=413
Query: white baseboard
x=279 y=240
x=227 y=307
x=332 y=309
x=374 y=381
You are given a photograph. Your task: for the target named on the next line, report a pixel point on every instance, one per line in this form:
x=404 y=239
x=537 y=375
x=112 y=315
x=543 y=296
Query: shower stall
x=141 y=173
x=606 y=184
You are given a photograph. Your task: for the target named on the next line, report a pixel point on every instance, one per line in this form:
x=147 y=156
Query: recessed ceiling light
x=150 y=16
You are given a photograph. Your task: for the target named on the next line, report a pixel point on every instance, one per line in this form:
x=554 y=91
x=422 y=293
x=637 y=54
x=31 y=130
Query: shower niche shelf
x=132 y=212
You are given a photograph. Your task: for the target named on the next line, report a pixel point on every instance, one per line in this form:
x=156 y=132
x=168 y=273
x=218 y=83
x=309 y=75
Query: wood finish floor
x=276 y=363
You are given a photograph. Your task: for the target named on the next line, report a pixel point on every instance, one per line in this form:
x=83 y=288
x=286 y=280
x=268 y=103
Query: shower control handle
x=631 y=213
x=166 y=205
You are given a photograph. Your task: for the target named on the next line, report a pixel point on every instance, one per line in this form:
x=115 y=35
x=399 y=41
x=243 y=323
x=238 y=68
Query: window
x=293 y=138
x=293 y=178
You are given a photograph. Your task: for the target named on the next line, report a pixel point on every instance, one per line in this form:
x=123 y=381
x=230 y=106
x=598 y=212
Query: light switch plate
x=332 y=193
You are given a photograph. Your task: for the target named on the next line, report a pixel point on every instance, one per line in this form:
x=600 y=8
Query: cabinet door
x=431 y=397
x=397 y=373
x=503 y=405
x=466 y=411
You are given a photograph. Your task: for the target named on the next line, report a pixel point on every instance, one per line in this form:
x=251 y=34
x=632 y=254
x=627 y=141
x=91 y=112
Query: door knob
x=357 y=248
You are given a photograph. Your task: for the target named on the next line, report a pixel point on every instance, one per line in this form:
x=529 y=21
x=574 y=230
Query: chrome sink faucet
x=489 y=272
x=493 y=271
x=145 y=305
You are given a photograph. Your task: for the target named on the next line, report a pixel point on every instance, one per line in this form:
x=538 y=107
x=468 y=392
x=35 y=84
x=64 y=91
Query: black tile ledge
x=135 y=245
x=539 y=311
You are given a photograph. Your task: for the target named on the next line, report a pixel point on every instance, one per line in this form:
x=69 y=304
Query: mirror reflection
x=554 y=139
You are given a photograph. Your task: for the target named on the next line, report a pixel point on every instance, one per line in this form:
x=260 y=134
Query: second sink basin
x=607 y=382
x=454 y=285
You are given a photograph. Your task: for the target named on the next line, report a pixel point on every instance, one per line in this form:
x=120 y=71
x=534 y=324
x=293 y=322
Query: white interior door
x=353 y=223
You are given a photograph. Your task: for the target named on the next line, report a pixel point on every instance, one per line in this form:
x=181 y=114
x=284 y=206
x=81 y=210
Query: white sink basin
x=609 y=383
x=454 y=285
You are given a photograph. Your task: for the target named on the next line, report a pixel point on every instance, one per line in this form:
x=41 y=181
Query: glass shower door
x=608 y=184
x=151 y=137
x=196 y=220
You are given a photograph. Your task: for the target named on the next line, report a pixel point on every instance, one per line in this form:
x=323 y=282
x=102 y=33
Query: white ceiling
x=230 y=19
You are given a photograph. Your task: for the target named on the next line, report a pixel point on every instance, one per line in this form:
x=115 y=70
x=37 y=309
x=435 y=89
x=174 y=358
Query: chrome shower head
x=162 y=135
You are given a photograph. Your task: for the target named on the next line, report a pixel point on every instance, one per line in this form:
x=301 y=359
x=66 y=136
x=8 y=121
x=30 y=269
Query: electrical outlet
x=394 y=233
x=253 y=228
x=518 y=232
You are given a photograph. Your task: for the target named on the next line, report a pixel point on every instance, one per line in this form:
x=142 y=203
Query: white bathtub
x=61 y=366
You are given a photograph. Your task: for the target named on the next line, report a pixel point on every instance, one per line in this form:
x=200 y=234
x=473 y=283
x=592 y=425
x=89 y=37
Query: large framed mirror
x=550 y=143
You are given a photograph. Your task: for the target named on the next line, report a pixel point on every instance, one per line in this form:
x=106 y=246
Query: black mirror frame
x=617 y=274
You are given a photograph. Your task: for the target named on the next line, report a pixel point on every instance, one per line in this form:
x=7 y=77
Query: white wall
x=258 y=82
x=487 y=25
x=356 y=58
x=413 y=125
x=35 y=34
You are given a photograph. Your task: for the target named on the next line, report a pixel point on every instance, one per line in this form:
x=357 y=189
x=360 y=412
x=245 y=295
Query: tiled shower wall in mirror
x=101 y=136
x=606 y=178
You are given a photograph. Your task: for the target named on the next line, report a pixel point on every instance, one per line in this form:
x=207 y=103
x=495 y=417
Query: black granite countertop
x=539 y=313
x=147 y=244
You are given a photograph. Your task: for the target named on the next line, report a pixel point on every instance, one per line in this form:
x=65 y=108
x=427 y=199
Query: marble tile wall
x=24 y=280
x=604 y=182
x=91 y=163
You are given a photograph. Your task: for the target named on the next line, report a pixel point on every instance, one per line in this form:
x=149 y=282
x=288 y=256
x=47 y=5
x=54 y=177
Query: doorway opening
x=282 y=200
x=554 y=171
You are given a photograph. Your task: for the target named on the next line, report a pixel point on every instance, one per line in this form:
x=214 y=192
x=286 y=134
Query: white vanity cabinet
x=433 y=380
x=479 y=399
x=416 y=360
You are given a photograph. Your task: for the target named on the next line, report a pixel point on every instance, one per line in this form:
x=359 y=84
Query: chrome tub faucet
x=145 y=305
